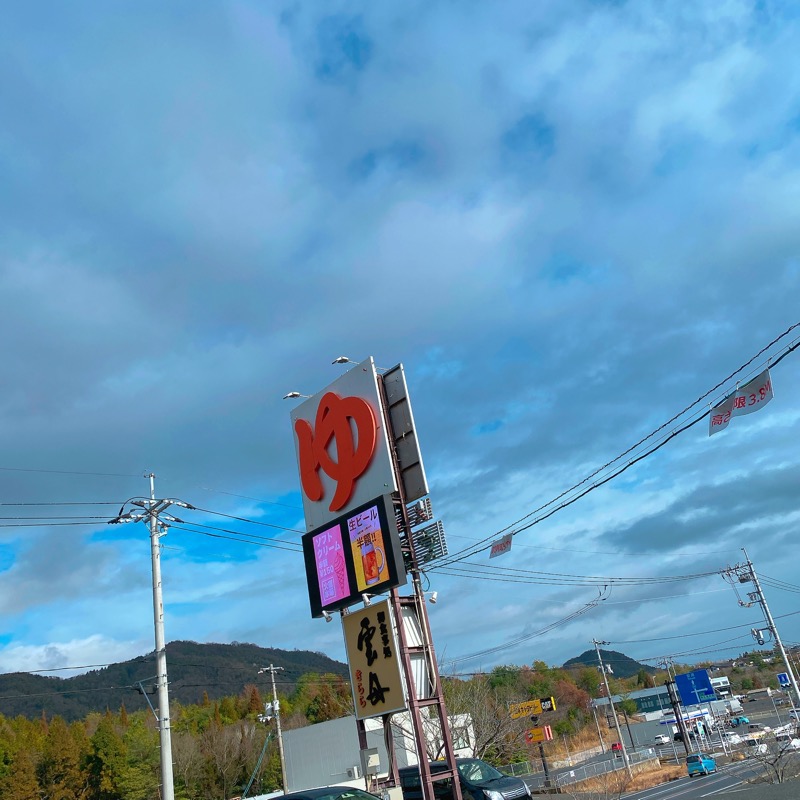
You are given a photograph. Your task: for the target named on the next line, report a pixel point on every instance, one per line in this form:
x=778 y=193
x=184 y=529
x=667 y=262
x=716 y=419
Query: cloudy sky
x=568 y=220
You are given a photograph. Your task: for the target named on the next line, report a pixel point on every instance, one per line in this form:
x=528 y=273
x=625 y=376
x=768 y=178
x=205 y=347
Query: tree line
x=220 y=746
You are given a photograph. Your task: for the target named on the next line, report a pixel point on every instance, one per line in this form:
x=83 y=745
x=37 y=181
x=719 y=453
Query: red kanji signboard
x=342 y=446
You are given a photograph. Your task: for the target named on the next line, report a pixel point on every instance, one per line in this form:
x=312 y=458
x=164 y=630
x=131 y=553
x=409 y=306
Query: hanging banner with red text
x=753 y=396
x=502 y=545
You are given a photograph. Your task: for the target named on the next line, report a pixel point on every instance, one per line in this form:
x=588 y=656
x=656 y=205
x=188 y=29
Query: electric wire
x=485 y=543
x=236 y=537
x=251 y=521
x=512 y=575
x=528 y=636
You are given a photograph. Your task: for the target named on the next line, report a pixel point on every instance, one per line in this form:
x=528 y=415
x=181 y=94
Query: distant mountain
x=193 y=669
x=622 y=666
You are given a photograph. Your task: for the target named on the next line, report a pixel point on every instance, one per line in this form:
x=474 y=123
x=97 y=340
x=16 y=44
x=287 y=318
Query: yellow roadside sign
x=525 y=709
x=531 y=707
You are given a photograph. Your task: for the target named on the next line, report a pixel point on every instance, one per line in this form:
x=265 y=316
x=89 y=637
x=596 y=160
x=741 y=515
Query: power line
x=71 y=472
x=485 y=543
x=526 y=637
x=251 y=521
x=255 y=541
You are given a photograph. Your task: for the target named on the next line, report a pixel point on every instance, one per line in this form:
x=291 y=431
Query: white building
x=328 y=753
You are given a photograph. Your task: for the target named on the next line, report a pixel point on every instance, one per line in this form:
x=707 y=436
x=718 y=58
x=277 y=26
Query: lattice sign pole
x=415 y=640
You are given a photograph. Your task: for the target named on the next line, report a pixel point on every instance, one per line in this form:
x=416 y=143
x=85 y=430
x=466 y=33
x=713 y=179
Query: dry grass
x=583 y=740
x=615 y=783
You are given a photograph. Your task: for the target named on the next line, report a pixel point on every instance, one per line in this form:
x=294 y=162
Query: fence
x=603 y=767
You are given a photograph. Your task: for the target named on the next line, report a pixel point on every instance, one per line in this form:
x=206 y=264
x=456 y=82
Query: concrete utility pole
x=167 y=782
x=613 y=710
x=277 y=709
x=151 y=509
x=746 y=574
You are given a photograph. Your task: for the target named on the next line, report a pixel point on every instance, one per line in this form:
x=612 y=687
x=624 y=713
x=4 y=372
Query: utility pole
x=675 y=700
x=167 y=782
x=152 y=508
x=747 y=574
x=277 y=709
x=613 y=710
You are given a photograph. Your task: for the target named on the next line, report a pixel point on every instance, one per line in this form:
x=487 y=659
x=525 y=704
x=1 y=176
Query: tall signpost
x=360 y=468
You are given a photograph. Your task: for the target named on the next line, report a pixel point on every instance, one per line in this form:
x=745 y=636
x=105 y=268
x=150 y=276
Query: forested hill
x=623 y=666
x=193 y=669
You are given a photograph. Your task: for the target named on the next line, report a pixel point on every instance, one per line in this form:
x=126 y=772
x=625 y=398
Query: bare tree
x=778 y=760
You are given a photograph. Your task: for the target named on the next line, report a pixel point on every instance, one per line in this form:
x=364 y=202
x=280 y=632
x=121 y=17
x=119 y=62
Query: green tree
x=60 y=774
x=504 y=677
x=589 y=680
x=20 y=781
x=140 y=777
x=107 y=760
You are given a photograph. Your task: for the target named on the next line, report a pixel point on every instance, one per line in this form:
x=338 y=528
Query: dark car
x=479 y=781
x=331 y=793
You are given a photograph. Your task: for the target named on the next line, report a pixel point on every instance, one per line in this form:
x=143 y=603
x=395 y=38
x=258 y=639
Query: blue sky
x=568 y=221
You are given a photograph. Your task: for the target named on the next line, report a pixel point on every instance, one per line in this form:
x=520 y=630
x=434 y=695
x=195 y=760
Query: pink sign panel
x=331 y=569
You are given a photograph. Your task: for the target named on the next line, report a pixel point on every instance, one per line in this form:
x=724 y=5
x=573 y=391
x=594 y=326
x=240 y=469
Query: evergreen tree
x=20 y=781
x=60 y=774
x=106 y=761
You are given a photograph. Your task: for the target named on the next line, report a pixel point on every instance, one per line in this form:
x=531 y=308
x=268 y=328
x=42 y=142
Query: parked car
x=700 y=764
x=794 y=714
x=662 y=738
x=616 y=747
x=331 y=793
x=479 y=780
x=736 y=721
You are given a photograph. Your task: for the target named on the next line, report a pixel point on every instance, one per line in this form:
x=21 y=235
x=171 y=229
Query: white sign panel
x=753 y=396
x=502 y=545
x=342 y=447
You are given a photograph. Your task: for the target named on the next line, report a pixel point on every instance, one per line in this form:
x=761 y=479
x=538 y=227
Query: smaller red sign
x=543 y=734
x=502 y=545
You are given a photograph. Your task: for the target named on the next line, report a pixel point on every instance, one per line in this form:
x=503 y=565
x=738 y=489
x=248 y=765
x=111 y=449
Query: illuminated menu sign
x=331 y=569
x=356 y=553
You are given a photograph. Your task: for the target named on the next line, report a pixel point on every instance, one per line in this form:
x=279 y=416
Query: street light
x=292 y=395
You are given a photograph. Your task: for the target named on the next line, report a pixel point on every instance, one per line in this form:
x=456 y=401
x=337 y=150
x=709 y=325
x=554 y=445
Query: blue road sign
x=783 y=678
x=695 y=687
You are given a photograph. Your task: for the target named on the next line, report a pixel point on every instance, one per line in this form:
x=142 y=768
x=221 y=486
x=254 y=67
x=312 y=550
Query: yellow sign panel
x=374 y=661
x=525 y=709
x=532 y=707
x=544 y=734
x=535 y=735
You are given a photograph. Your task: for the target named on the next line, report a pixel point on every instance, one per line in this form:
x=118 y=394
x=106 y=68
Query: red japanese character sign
x=353 y=454
x=342 y=446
